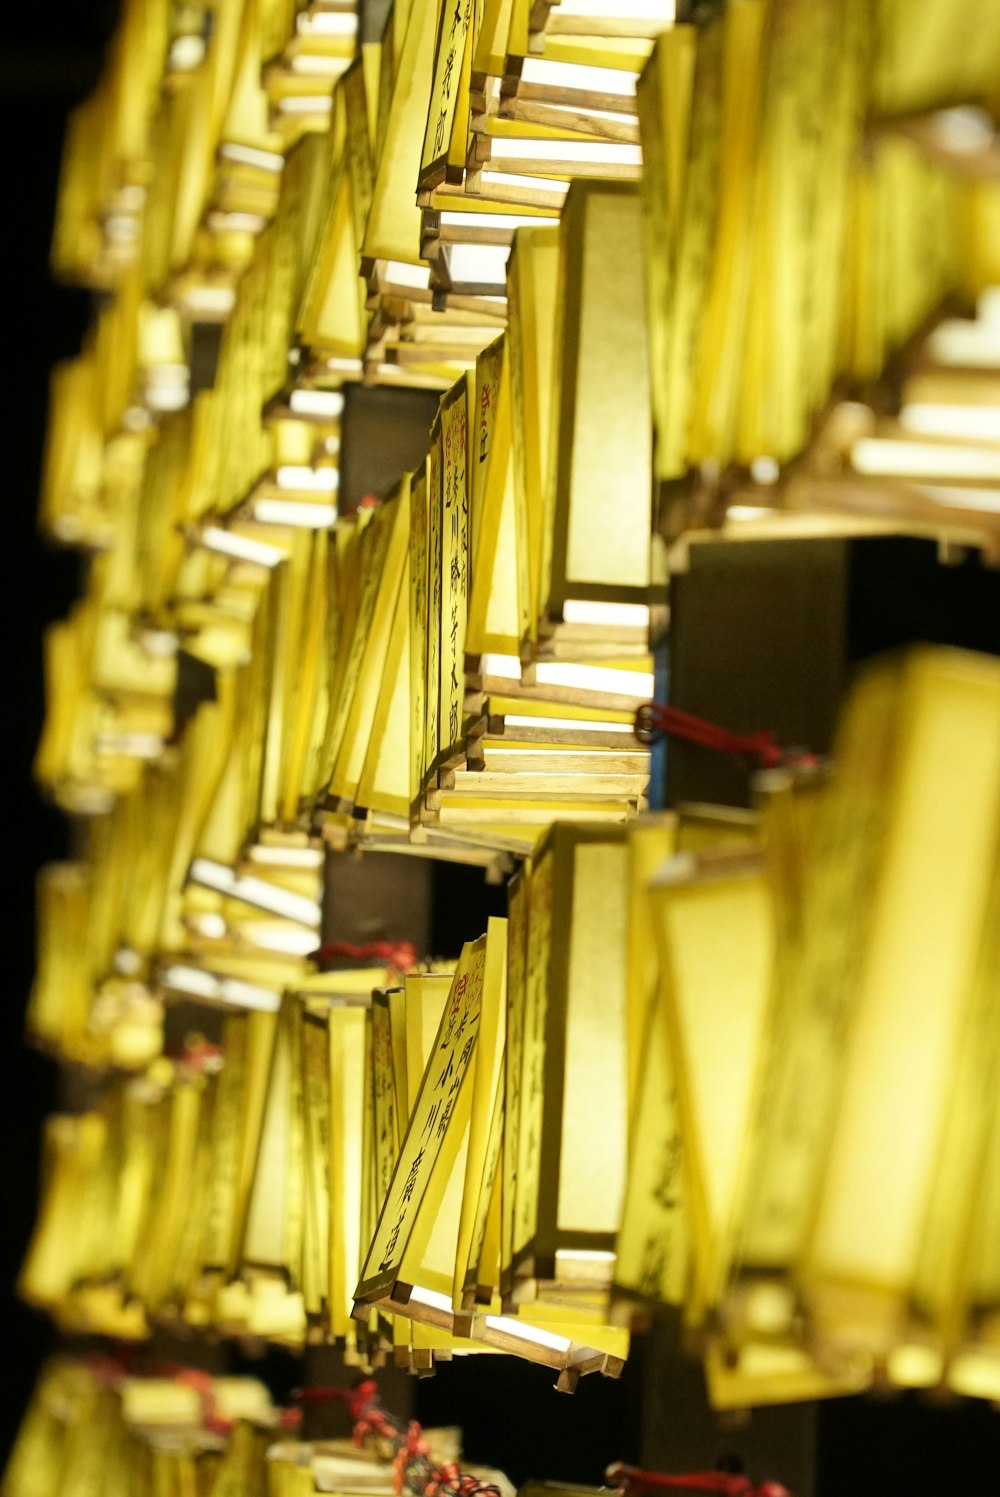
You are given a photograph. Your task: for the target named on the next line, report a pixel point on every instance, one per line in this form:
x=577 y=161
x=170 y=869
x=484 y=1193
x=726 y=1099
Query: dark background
x=49 y=58
x=896 y=592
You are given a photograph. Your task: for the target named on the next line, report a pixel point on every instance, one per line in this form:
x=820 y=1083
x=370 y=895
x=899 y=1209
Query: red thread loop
x=634 y=1482
x=362 y=1398
x=413 y=1469
x=108 y=1371
x=653 y=720
x=203 y=1385
x=413 y=1455
x=359 y=1400
x=401 y=955
x=202 y=1056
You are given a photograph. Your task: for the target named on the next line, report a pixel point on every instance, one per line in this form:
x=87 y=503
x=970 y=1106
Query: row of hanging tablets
x=735 y=1063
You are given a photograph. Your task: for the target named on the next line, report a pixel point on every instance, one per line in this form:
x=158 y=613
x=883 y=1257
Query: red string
x=358 y=1399
x=402 y=955
x=654 y=719
x=108 y=1371
x=413 y=1451
x=413 y=1469
x=204 y=1386
x=201 y=1057
x=633 y=1481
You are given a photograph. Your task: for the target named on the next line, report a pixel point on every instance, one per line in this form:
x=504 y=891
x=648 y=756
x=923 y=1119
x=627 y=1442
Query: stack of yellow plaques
x=175 y=873
x=927 y=463
x=633 y=19
x=435 y=1259
x=817 y=1193
x=106 y=160
x=522 y=102
x=531 y=1153
x=438 y=578
x=148 y=1435
x=110 y=708
x=417 y=332
x=742 y=242
x=305 y=48
x=535 y=576
x=425 y=109
x=228 y=1188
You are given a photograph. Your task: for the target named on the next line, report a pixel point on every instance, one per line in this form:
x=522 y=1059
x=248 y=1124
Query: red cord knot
x=400 y=955
x=413 y=1470
x=373 y=1424
x=201 y=1057
x=358 y=1399
x=412 y=1460
x=635 y=1482
x=654 y=720
x=203 y=1384
x=108 y=1371
x=444 y=1478
x=362 y=1398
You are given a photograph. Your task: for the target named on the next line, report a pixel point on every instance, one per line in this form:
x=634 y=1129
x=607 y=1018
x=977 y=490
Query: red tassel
x=633 y=1481
x=654 y=719
x=413 y=1470
x=402 y=955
